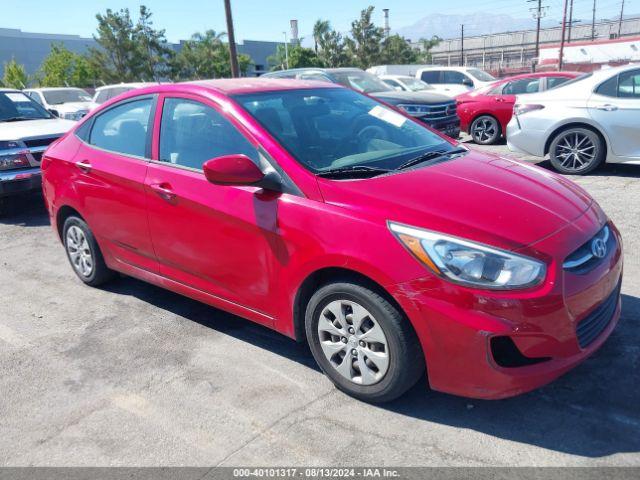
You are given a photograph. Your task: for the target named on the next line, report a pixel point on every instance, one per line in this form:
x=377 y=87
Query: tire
x=84 y=254
x=577 y=151
x=485 y=130
x=363 y=378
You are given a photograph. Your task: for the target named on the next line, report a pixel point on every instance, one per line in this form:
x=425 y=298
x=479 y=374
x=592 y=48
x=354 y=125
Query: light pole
x=286 y=49
x=233 y=56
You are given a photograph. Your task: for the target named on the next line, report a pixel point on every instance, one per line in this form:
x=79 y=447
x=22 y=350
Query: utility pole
x=286 y=49
x=462 y=45
x=593 y=22
x=564 y=26
x=620 y=22
x=538 y=13
x=233 y=56
x=570 y=21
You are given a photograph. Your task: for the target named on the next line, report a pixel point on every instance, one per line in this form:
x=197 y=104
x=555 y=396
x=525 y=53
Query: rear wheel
x=84 y=254
x=485 y=130
x=362 y=342
x=577 y=151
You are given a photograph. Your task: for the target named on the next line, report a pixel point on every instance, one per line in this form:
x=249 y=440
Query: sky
x=266 y=19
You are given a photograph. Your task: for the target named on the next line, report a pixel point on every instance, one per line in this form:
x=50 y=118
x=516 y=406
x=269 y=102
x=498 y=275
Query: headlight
x=415 y=110
x=469 y=263
x=10 y=161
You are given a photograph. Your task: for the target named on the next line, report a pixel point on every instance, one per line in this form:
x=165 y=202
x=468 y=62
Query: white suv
x=63 y=102
x=582 y=123
x=453 y=81
x=110 y=91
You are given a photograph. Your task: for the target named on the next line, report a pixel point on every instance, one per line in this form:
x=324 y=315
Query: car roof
x=233 y=86
x=50 y=89
x=131 y=84
x=8 y=89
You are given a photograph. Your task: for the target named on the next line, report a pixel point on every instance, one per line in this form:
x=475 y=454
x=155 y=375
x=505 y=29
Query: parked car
x=107 y=92
x=453 y=81
x=63 y=102
x=405 y=70
x=26 y=129
x=485 y=113
x=435 y=110
x=404 y=83
x=272 y=200
x=582 y=123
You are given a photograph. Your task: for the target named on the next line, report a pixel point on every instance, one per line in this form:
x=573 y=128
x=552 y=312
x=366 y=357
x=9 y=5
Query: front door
x=222 y=240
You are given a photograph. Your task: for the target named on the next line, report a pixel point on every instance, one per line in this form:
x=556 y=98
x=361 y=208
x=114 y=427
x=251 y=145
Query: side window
x=525 y=85
x=608 y=88
x=555 y=81
x=123 y=128
x=431 y=76
x=629 y=84
x=102 y=96
x=192 y=133
x=454 y=77
x=35 y=97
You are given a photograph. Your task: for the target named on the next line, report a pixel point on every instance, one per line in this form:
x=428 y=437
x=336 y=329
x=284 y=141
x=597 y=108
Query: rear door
x=110 y=168
x=615 y=105
x=221 y=240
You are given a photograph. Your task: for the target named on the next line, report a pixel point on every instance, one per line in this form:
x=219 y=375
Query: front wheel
x=362 y=342
x=485 y=130
x=84 y=254
x=577 y=151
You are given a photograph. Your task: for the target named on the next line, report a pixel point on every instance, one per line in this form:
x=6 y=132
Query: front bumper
x=25 y=180
x=449 y=126
x=456 y=326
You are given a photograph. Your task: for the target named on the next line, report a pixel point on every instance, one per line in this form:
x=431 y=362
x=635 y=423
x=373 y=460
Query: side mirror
x=53 y=112
x=232 y=170
x=467 y=82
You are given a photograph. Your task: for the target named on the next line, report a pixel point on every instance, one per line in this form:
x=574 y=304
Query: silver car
x=582 y=123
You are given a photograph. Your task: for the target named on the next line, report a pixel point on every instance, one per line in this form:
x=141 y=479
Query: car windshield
x=361 y=81
x=415 y=85
x=67 y=95
x=15 y=106
x=332 y=128
x=481 y=75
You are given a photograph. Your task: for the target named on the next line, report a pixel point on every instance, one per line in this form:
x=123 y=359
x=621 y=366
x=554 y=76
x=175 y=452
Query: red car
x=333 y=219
x=485 y=113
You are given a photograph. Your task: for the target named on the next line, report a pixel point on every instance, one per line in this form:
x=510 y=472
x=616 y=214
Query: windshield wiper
x=353 y=171
x=430 y=156
x=16 y=119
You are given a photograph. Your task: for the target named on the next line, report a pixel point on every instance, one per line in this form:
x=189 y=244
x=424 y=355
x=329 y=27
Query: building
x=30 y=49
x=514 y=52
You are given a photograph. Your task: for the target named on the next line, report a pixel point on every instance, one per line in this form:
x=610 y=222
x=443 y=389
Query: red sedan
x=325 y=215
x=485 y=113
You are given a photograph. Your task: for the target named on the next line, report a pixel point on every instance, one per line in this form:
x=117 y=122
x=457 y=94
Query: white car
x=405 y=83
x=453 y=81
x=63 y=102
x=582 y=123
x=102 y=94
x=26 y=130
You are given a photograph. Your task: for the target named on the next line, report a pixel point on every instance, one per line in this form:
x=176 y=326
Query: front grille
x=39 y=142
x=583 y=260
x=594 y=324
x=440 y=111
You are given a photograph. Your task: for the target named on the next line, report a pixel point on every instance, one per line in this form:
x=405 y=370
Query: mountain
x=479 y=23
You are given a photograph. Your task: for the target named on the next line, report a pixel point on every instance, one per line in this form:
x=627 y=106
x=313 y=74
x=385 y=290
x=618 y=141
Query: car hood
x=34 y=128
x=485 y=198
x=72 y=107
x=395 y=98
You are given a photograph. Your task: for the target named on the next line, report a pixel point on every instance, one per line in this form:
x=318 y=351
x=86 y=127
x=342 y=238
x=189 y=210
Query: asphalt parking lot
x=135 y=375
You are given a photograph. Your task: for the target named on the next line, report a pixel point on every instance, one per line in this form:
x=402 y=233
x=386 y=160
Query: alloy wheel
x=79 y=251
x=485 y=130
x=575 y=151
x=353 y=342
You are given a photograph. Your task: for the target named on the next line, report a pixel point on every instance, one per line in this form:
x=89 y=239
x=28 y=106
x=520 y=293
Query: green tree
x=15 y=76
x=205 y=56
x=129 y=51
x=320 y=29
x=332 y=52
x=364 y=47
x=299 y=57
x=427 y=45
x=396 y=50
x=65 y=68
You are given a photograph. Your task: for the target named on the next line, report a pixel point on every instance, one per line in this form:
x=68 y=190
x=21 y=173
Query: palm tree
x=320 y=29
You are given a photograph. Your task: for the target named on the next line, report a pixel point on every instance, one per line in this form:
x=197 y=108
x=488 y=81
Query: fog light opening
x=506 y=354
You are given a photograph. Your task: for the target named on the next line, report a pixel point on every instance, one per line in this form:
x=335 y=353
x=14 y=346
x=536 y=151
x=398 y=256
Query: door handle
x=84 y=165
x=607 y=107
x=164 y=191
